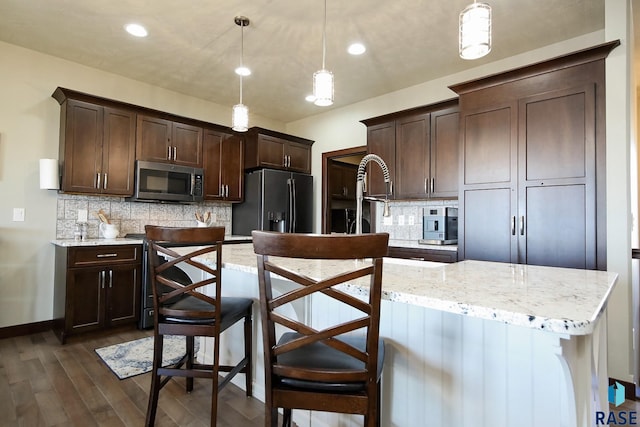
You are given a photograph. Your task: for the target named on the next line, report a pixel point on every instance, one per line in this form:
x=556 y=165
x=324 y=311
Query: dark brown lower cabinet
x=96 y=288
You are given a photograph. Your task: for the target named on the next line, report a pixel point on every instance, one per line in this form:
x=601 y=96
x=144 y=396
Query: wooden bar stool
x=337 y=368
x=184 y=309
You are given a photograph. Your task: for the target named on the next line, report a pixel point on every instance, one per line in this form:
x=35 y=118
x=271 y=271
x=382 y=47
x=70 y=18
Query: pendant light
x=475 y=31
x=240 y=117
x=323 y=79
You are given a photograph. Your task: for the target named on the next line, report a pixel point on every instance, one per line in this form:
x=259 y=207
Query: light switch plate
x=18 y=214
x=83 y=215
x=387 y=220
x=400 y=219
x=412 y=220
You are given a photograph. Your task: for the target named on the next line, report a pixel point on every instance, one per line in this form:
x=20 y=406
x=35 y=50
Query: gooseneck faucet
x=360 y=187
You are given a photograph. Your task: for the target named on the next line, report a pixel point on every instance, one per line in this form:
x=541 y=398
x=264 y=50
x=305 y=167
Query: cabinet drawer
x=434 y=255
x=107 y=255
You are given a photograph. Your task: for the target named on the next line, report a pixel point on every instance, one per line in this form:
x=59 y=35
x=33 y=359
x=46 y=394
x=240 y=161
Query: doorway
x=339 y=174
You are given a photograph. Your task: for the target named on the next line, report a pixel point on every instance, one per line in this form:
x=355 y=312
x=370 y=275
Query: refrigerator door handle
x=294 y=205
x=290 y=206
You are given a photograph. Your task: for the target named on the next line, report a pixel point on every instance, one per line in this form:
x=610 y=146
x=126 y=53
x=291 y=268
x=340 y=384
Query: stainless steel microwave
x=166 y=182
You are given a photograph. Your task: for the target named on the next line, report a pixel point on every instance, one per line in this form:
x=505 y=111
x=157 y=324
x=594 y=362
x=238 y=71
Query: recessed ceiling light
x=356 y=49
x=243 y=71
x=136 y=30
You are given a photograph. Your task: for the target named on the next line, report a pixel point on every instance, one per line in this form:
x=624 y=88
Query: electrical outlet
x=18 y=214
x=412 y=220
x=400 y=219
x=387 y=220
x=83 y=215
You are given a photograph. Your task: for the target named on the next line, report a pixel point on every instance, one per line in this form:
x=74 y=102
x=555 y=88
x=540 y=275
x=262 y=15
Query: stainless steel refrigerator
x=274 y=200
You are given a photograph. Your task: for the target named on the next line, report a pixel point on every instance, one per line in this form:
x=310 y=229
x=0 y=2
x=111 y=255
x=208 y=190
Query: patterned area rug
x=136 y=357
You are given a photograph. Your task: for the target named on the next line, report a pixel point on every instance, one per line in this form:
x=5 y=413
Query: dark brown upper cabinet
x=532 y=166
x=223 y=161
x=420 y=148
x=276 y=150
x=163 y=140
x=97 y=145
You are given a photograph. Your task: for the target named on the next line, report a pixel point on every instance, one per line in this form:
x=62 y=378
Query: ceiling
x=193 y=46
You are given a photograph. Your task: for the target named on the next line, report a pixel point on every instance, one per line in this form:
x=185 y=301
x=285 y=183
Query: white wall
x=29 y=130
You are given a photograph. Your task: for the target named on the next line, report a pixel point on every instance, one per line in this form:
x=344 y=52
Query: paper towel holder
x=49 y=174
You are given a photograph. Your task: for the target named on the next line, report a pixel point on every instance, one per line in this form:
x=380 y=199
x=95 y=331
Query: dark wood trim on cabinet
x=60 y=94
x=576 y=58
x=435 y=255
x=449 y=103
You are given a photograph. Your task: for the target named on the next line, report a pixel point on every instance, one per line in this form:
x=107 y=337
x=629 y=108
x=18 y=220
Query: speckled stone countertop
x=130 y=241
x=96 y=242
x=560 y=300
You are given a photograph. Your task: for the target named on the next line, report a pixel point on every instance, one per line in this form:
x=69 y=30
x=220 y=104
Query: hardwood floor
x=43 y=383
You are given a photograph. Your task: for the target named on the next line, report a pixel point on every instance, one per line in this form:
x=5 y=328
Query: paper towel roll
x=49 y=174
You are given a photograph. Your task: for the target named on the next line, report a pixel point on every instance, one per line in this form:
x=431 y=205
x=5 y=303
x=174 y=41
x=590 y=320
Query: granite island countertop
x=559 y=300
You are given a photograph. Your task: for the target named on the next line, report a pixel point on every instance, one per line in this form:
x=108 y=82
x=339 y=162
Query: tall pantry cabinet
x=532 y=163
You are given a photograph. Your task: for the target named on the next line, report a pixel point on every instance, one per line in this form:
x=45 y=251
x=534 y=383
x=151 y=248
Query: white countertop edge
x=96 y=242
x=553 y=325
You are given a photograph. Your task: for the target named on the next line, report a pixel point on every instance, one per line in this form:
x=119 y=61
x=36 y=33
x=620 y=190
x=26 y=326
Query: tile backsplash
x=131 y=217
x=401 y=231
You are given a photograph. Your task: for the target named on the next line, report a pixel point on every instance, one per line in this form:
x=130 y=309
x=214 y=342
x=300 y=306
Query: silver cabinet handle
x=522 y=225
x=98 y=181
x=110 y=278
x=221 y=190
x=284 y=160
x=513 y=225
x=102 y=279
x=169 y=153
x=104 y=183
x=426 y=180
x=175 y=152
x=106 y=255
x=433 y=185
x=226 y=192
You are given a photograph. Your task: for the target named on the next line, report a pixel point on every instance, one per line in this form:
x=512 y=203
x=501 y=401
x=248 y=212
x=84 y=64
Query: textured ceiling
x=193 y=46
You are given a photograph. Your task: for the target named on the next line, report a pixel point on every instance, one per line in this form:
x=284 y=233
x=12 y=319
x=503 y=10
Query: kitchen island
x=468 y=344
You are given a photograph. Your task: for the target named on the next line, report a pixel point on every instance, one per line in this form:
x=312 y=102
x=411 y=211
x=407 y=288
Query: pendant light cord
x=324 y=34
x=241 y=56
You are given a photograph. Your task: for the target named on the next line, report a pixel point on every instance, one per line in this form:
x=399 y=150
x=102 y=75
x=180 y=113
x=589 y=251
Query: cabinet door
x=123 y=290
x=412 y=157
x=557 y=199
x=271 y=151
x=153 y=139
x=381 y=140
x=82 y=152
x=299 y=157
x=118 y=152
x=212 y=149
x=488 y=196
x=445 y=131
x=232 y=168
x=223 y=165
x=85 y=304
x=489 y=226
x=186 y=145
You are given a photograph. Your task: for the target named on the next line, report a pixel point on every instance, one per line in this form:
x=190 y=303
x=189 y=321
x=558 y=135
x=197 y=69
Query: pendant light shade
x=240 y=118
x=323 y=78
x=240 y=115
x=475 y=31
x=323 y=88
